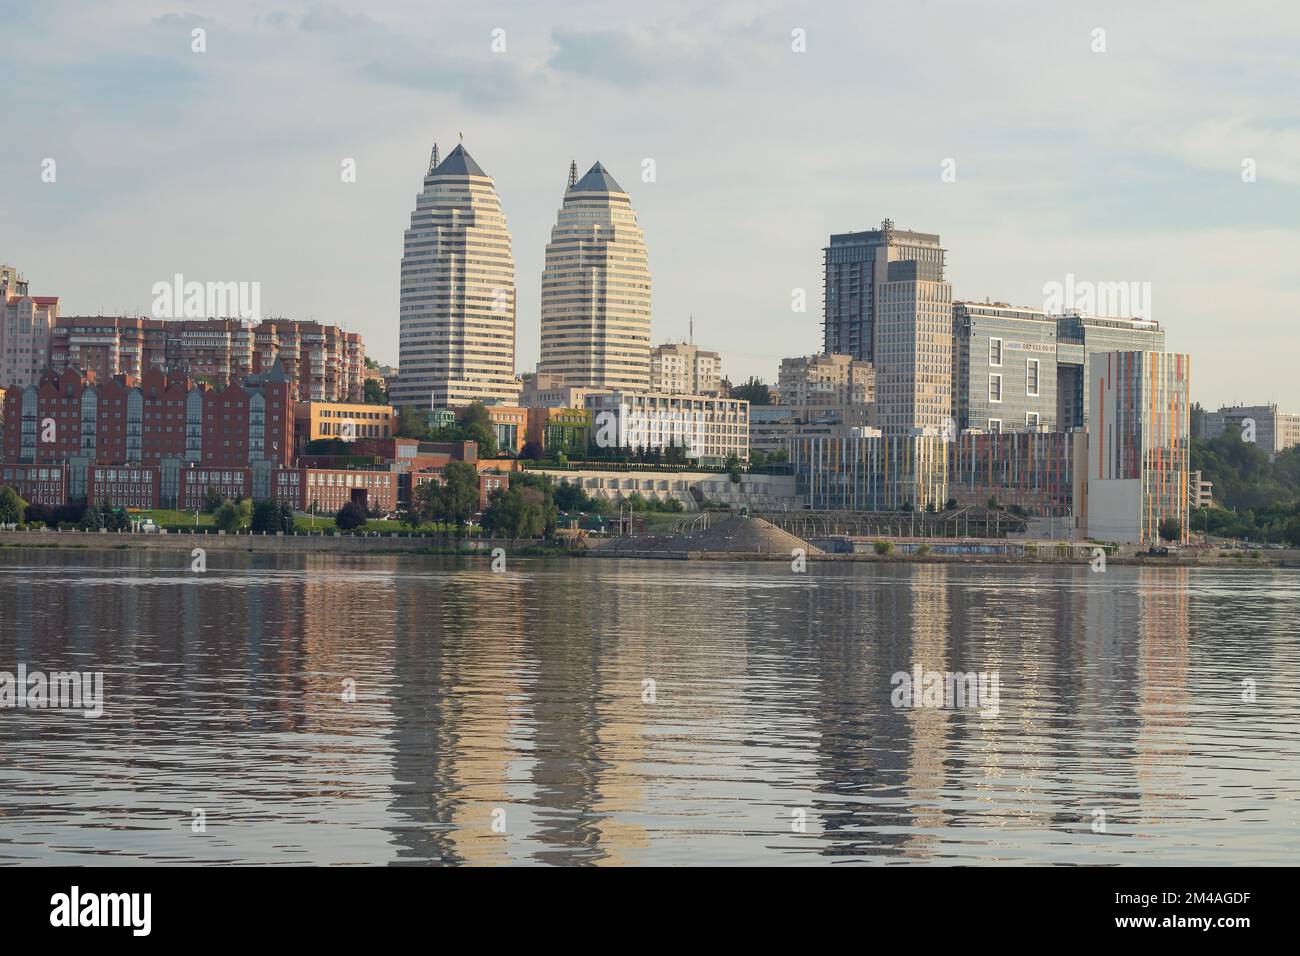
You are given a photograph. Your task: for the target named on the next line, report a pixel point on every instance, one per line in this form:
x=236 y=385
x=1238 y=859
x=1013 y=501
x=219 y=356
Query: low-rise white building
x=708 y=428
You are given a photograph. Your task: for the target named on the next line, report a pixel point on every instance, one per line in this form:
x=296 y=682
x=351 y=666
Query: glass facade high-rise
x=1078 y=339
x=457 y=321
x=855 y=262
x=1004 y=368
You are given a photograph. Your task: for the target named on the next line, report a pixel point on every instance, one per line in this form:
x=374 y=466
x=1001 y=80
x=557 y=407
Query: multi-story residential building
x=855 y=264
x=344 y=420
x=1079 y=338
x=685 y=368
x=1272 y=430
x=709 y=429
x=1138 y=445
x=1004 y=368
x=76 y=421
x=25 y=324
x=826 y=380
x=596 y=288
x=1200 y=493
x=321 y=362
x=457 y=319
x=914 y=345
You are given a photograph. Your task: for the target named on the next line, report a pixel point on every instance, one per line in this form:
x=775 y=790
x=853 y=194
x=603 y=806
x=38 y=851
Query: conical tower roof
x=459 y=163
x=597 y=180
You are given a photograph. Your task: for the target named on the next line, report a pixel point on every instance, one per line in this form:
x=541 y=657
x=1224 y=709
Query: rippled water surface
x=521 y=699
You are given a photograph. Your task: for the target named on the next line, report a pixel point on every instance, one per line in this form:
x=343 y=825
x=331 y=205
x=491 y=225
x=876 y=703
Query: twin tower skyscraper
x=457 y=319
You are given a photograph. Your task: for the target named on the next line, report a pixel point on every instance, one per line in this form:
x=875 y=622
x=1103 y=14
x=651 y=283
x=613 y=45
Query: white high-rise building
x=25 y=324
x=596 y=288
x=457 y=333
x=684 y=367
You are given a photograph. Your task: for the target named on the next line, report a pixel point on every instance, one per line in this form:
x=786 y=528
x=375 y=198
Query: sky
x=1112 y=156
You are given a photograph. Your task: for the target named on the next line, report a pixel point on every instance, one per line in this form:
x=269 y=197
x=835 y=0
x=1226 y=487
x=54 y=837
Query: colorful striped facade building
x=1035 y=471
x=1139 y=442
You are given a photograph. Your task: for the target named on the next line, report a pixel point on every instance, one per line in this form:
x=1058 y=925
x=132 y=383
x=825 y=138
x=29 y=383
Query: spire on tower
x=573 y=173
x=433 y=158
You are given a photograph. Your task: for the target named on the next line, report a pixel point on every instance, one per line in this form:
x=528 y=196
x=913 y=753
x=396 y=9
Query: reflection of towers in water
x=928 y=623
x=614 y=627
x=1161 y=745
x=857 y=638
x=458 y=677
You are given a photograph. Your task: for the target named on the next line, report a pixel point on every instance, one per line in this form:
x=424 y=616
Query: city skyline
x=765 y=177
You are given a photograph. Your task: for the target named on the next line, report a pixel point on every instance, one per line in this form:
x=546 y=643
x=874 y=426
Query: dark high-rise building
x=855 y=264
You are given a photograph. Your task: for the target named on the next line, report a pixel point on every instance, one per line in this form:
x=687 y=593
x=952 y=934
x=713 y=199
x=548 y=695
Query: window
x=1031 y=376
x=995 y=426
x=1031 y=421
x=995 y=353
x=995 y=388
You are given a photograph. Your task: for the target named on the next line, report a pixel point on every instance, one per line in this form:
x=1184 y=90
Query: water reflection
x=611 y=712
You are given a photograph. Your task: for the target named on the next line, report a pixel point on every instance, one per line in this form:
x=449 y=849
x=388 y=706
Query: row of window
x=1032 y=378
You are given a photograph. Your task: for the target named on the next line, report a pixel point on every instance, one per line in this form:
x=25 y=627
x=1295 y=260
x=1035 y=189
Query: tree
x=1171 y=529
x=374 y=392
x=114 y=519
x=411 y=423
x=350 y=516
x=228 y=517
x=211 y=500
x=754 y=391
x=733 y=468
x=511 y=513
x=11 y=506
x=267 y=517
x=455 y=500
x=92 y=520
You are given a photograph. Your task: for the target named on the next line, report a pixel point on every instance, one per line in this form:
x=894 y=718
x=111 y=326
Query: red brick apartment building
x=137 y=443
x=322 y=362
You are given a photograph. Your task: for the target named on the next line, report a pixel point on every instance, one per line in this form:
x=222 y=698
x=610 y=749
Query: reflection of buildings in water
x=928 y=624
x=457 y=678
x=857 y=639
x=630 y=625
x=994 y=629
x=1161 y=746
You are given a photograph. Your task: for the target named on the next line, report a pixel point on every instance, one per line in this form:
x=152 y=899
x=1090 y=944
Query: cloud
x=180 y=20
x=328 y=18
x=1224 y=144
x=496 y=82
x=635 y=58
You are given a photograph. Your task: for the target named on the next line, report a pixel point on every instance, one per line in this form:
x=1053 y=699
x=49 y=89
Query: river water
x=412 y=710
